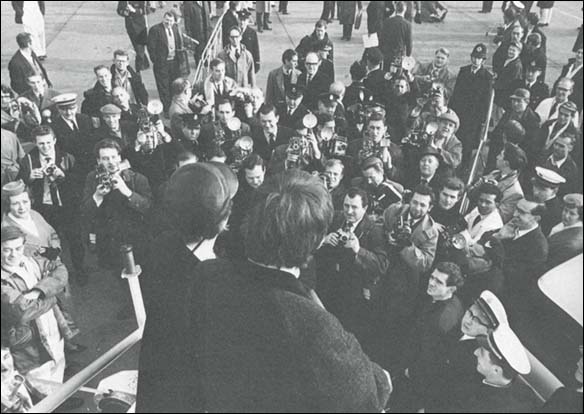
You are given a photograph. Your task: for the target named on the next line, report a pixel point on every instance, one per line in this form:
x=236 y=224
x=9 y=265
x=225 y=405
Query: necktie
x=476 y=221
x=53 y=186
x=74 y=126
x=308 y=79
x=289 y=111
x=271 y=138
x=553 y=109
x=237 y=54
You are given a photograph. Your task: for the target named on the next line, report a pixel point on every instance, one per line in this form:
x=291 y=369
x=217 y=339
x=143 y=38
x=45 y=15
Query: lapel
x=280 y=79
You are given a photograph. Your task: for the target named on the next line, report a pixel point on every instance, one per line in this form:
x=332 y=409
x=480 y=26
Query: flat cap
x=568 y=106
x=521 y=93
x=110 y=109
x=371 y=162
x=574 y=200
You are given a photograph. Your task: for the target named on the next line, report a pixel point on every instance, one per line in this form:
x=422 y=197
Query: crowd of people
x=306 y=245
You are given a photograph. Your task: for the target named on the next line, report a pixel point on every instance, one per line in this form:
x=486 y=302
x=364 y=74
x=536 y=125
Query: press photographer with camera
x=350 y=263
x=382 y=191
x=413 y=237
x=49 y=172
x=375 y=143
x=115 y=202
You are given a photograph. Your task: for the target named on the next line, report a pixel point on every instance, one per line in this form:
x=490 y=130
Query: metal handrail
x=75 y=383
x=210 y=51
x=471 y=178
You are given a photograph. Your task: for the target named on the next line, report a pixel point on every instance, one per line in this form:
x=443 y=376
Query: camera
x=296 y=152
x=147 y=120
x=344 y=233
x=104 y=177
x=401 y=234
x=50 y=170
x=242 y=148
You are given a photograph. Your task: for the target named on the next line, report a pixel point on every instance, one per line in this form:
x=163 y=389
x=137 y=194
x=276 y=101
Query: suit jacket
x=94 y=99
x=343 y=275
x=529 y=120
x=239 y=69
x=158 y=43
x=20 y=69
x=552 y=215
x=564 y=245
x=320 y=84
x=375 y=16
x=376 y=83
x=395 y=38
x=62 y=160
x=265 y=149
x=209 y=89
x=275 y=88
x=79 y=143
x=524 y=262
x=169 y=269
x=506 y=76
x=117 y=220
x=298 y=356
x=310 y=43
x=539 y=148
x=197 y=21
x=249 y=38
x=290 y=121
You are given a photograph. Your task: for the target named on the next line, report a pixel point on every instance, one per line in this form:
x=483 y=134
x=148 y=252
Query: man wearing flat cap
x=445 y=140
x=565 y=239
x=499 y=360
x=198 y=200
x=545 y=186
x=470 y=99
x=459 y=375
x=112 y=127
x=429 y=170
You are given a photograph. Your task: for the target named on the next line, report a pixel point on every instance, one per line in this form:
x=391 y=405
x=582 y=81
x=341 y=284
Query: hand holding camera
x=119 y=184
x=37 y=174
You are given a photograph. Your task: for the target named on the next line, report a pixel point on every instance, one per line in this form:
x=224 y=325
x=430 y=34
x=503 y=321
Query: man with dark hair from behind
x=197 y=202
x=298 y=357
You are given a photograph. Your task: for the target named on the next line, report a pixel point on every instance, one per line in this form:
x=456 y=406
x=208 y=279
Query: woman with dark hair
x=258 y=342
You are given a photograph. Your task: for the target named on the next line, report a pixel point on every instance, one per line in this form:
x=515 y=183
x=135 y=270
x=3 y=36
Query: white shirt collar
x=557 y=164
x=521 y=233
x=559 y=227
x=294 y=271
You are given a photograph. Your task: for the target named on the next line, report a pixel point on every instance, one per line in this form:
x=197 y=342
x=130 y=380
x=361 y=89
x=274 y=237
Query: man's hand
x=32 y=295
x=353 y=243
x=120 y=185
x=311 y=138
x=332 y=239
x=508 y=231
x=37 y=174
x=58 y=173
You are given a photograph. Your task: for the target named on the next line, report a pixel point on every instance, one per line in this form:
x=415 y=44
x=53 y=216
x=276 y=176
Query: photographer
x=382 y=192
x=48 y=172
x=218 y=133
x=351 y=263
x=114 y=206
x=436 y=71
x=375 y=143
x=413 y=238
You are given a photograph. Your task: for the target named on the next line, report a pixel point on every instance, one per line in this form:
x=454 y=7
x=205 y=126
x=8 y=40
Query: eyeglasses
x=311 y=63
x=235 y=36
x=476 y=319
